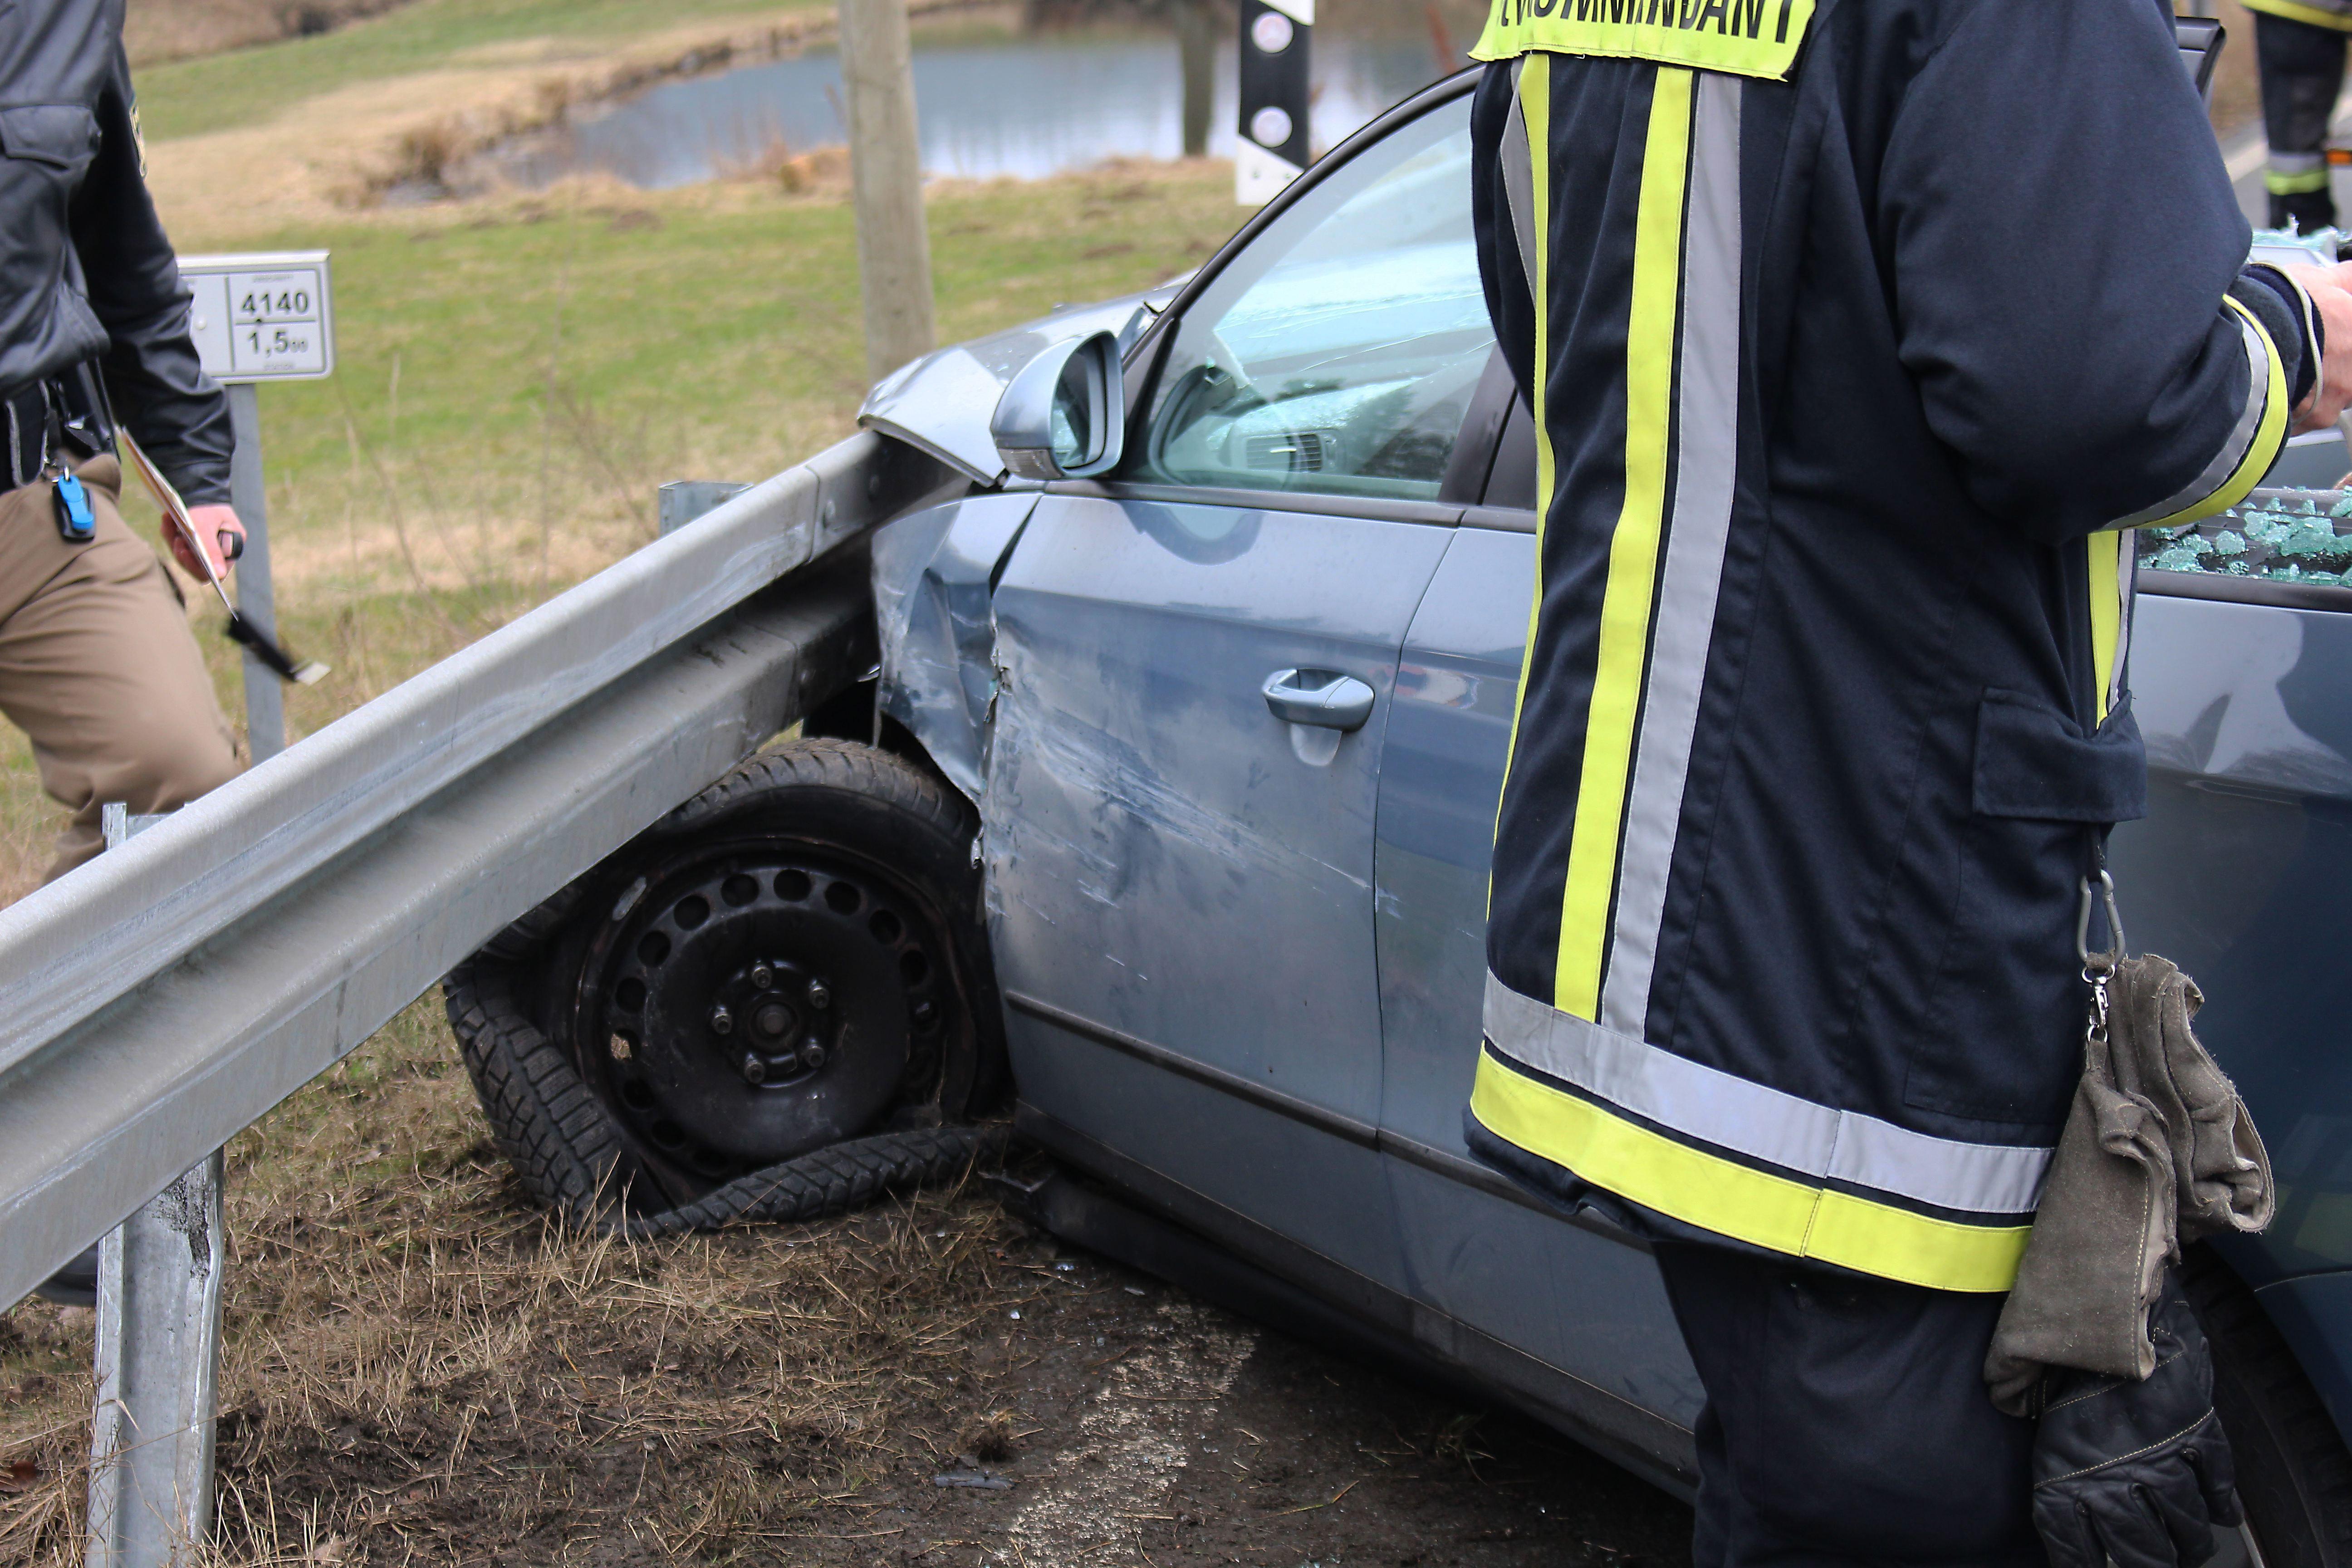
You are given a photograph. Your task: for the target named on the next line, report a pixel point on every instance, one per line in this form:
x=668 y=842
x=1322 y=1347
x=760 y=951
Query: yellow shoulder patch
x=1741 y=38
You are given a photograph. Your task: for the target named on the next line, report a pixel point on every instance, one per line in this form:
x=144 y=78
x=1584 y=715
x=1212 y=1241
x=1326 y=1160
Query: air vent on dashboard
x=1293 y=451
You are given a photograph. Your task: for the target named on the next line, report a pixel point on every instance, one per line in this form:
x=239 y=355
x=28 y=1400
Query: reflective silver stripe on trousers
x=1730 y=1112
x=2242 y=435
x=2295 y=163
x=2126 y=602
x=1519 y=182
x=1707 y=390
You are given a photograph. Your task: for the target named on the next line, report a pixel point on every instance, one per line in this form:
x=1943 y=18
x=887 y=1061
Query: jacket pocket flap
x=2034 y=761
x=65 y=134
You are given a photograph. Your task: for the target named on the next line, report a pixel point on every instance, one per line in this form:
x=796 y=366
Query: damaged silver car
x=1163 y=825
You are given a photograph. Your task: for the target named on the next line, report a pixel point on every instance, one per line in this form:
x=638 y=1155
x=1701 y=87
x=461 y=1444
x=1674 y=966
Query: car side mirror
x=1064 y=416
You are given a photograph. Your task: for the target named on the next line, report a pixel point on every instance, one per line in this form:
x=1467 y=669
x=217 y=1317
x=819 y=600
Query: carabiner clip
x=2102 y=963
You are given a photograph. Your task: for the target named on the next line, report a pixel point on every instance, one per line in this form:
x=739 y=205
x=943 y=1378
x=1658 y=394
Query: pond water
x=1026 y=108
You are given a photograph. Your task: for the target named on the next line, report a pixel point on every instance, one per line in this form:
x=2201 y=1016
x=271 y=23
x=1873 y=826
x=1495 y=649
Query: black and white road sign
x=259 y=316
x=1274 y=132
x=264 y=316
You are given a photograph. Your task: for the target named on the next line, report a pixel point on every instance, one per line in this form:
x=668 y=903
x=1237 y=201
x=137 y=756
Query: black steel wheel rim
x=738 y=1008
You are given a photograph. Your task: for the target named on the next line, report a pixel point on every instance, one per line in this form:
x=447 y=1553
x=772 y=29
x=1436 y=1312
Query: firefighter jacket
x=1856 y=330
x=85 y=272
x=2335 y=13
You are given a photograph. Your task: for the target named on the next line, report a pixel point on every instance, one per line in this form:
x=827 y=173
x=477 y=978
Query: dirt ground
x=1115 y=1419
x=1162 y=1431
x=418 y=1368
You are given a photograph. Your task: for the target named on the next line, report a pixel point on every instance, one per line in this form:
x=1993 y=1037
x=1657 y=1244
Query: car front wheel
x=790 y=962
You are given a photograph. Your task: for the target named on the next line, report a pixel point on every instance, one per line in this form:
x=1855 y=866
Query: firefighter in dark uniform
x=2299 y=50
x=1857 y=333
x=98 y=665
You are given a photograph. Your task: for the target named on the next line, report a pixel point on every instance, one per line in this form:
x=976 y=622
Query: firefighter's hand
x=2136 y=1475
x=223 y=535
x=2330 y=289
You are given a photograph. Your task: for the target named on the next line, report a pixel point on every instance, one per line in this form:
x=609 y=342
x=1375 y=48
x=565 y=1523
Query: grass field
x=514 y=379
x=245 y=87
x=418 y=1365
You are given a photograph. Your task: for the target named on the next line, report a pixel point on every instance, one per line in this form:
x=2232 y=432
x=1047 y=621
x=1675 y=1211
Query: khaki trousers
x=98 y=668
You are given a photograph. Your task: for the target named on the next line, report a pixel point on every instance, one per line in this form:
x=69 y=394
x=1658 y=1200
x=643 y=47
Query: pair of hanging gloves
x=2096 y=1341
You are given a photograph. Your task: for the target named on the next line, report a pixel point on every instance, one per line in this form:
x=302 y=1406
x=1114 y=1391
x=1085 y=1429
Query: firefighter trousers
x=2302 y=68
x=1846 y=1419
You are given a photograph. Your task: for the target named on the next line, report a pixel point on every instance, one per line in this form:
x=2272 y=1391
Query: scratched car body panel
x=1242 y=955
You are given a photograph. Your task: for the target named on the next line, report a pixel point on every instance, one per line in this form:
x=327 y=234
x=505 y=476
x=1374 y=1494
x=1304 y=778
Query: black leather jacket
x=85 y=272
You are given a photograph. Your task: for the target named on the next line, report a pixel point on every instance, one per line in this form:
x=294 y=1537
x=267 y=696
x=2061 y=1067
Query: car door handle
x=1323 y=698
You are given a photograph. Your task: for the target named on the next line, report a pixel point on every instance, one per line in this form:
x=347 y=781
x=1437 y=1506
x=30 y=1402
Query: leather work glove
x=2139 y=1472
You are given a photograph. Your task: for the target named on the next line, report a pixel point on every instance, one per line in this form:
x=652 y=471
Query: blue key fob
x=77 y=524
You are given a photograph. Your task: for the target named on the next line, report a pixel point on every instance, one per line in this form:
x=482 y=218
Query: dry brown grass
x=417 y=1366
x=157 y=30
x=338 y=151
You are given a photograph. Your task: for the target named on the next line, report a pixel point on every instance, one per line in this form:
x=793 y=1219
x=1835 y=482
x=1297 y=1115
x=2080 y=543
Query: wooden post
x=885 y=173
x=1196 y=48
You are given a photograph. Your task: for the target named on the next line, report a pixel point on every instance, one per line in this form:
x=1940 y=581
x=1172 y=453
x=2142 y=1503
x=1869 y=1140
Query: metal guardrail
x=166 y=996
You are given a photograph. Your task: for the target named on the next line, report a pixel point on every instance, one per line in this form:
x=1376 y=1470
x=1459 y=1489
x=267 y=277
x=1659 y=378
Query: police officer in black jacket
x=1858 y=334
x=97 y=663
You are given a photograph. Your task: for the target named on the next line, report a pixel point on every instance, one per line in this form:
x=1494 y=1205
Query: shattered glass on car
x=2276 y=536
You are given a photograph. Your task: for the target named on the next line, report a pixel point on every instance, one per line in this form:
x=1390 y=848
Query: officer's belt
x=27 y=414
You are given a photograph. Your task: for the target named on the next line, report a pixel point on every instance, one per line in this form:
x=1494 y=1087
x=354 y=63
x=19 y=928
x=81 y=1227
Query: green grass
x=245 y=87
x=596 y=342
x=512 y=385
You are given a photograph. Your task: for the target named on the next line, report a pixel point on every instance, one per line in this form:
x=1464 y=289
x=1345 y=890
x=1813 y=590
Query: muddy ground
x=1116 y=1419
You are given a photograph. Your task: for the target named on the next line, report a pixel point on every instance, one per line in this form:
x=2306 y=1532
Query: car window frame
x=1148 y=358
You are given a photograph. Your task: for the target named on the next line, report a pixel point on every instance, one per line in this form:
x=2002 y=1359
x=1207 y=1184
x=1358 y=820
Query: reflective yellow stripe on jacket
x=1633 y=551
x=2294 y=11
x=1568 y=1078
x=1736 y=1200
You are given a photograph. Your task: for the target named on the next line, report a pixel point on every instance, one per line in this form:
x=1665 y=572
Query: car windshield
x=1339 y=350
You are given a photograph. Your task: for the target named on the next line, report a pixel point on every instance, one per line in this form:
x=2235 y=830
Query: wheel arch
x=2285 y=1424
x=2312 y=1313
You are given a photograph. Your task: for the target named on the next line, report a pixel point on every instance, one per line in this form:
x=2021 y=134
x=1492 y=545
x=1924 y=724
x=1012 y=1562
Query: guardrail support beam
x=159 y=1318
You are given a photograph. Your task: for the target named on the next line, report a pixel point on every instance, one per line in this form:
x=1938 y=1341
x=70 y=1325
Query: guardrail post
x=683 y=501
x=159 y=1316
x=265 y=704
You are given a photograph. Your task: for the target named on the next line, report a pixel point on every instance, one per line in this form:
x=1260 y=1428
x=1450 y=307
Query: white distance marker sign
x=268 y=316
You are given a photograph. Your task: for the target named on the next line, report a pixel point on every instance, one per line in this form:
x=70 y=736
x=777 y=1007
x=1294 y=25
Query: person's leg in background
x=2302 y=68
x=1846 y=1419
x=98 y=667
